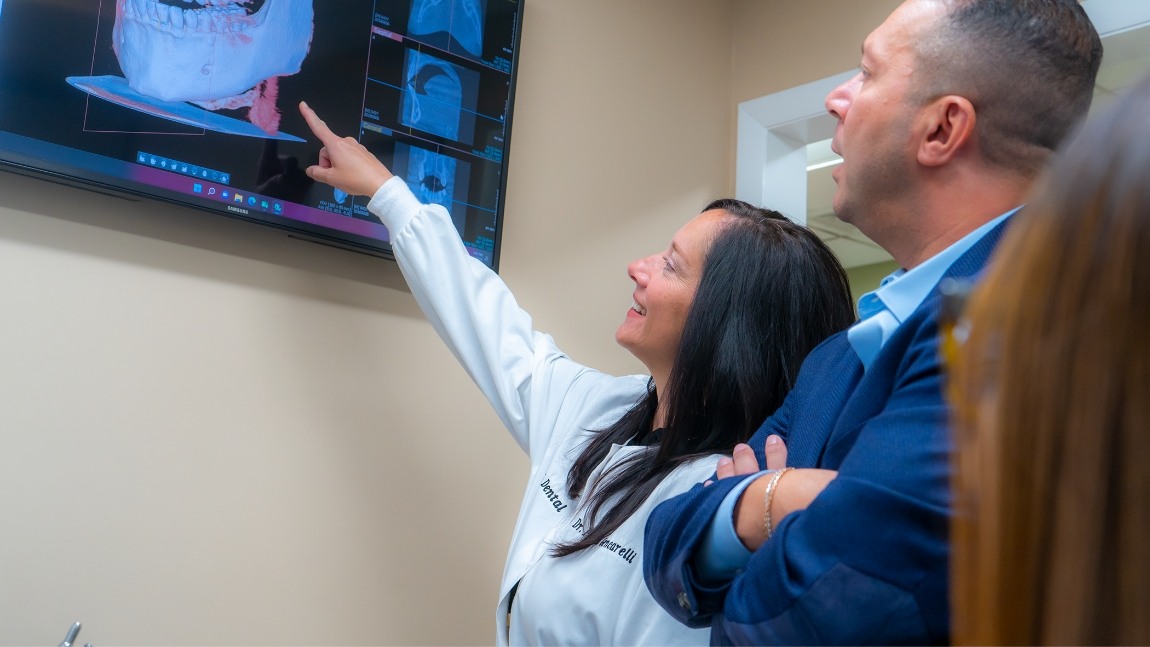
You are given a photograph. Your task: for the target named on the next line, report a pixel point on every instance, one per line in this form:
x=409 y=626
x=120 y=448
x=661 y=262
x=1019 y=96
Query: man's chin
x=841 y=205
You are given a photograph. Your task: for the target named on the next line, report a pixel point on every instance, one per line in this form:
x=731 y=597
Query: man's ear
x=948 y=127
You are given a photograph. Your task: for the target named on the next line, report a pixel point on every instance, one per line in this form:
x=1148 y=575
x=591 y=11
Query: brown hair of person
x=1051 y=394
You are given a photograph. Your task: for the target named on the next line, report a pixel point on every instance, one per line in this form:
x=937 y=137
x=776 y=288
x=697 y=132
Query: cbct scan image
x=458 y=23
x=196 y=102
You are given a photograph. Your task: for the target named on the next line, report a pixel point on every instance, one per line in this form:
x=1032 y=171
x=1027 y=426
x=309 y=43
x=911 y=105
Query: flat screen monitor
x=195 y=102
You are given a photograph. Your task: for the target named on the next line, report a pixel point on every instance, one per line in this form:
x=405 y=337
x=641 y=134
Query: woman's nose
x=639 y=270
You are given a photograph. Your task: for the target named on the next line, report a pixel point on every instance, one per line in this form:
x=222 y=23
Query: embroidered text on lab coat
x=552 y=496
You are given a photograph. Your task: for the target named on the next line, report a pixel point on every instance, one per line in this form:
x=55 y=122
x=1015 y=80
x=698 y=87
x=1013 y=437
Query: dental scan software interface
x=195 y=101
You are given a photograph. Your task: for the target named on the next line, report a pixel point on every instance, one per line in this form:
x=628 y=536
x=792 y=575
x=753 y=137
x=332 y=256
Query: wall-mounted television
x=195 y=102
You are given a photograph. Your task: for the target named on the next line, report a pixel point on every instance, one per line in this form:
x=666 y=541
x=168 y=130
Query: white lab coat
x=548 y=403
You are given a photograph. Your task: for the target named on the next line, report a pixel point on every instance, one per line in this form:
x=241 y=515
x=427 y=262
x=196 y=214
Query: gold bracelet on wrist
x=768 y=496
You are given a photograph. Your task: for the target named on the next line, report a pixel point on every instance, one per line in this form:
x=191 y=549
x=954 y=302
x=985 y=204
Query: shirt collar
x=881 y=311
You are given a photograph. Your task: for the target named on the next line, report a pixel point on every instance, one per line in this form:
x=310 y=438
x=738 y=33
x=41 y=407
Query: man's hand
x=343 y=162
x=743 y=461
x=794 y=491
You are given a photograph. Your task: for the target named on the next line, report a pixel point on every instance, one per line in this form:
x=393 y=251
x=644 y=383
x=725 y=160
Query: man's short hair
x=1028 y=66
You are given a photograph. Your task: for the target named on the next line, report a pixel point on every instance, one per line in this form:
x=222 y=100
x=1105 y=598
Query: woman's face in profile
x=665 y=285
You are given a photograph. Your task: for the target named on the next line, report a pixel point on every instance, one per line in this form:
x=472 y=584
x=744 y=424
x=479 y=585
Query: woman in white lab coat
x=722 y=319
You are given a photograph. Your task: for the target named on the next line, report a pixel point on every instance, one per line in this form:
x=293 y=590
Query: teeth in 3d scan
x=208 y=50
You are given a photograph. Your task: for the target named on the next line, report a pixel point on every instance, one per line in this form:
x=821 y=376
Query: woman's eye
x=667 y=267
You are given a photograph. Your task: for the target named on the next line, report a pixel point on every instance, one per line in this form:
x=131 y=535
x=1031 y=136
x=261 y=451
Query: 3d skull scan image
x=461 y=19
x=215 y=53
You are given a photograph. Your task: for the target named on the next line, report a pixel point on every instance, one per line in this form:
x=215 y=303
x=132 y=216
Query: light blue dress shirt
x=722 y=554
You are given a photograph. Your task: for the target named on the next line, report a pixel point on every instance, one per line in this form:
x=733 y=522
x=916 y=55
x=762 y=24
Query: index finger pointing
x=316 y=124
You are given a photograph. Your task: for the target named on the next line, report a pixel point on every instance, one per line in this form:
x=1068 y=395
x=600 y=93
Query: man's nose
x=838 y=101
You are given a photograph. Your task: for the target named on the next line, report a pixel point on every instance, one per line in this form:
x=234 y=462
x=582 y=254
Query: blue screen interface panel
x=195 y=102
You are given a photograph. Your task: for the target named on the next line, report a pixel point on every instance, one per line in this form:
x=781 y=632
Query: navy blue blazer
x=867 y=562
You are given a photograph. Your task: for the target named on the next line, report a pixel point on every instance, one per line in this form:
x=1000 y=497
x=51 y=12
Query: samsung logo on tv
x=237 y=210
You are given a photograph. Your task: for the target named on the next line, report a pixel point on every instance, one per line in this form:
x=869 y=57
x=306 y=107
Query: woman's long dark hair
x=770 y=292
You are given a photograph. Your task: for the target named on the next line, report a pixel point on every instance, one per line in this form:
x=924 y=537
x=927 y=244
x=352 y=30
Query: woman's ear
x=948 y=127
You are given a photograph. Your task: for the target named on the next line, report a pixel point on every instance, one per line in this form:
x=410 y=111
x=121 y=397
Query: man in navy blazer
x=955 y=109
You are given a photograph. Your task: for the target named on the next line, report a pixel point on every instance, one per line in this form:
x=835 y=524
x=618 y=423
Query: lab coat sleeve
x=474 y=312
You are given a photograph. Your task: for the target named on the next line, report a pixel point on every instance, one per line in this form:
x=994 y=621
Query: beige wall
x=215 y=435
x=783 y=43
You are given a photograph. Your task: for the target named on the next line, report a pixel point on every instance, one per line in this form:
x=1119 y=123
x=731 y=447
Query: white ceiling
x=1125 y=60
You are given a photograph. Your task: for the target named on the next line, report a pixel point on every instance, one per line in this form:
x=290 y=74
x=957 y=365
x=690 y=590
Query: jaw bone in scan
x=461 y=19
x=216 y=54
x=433 y=96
